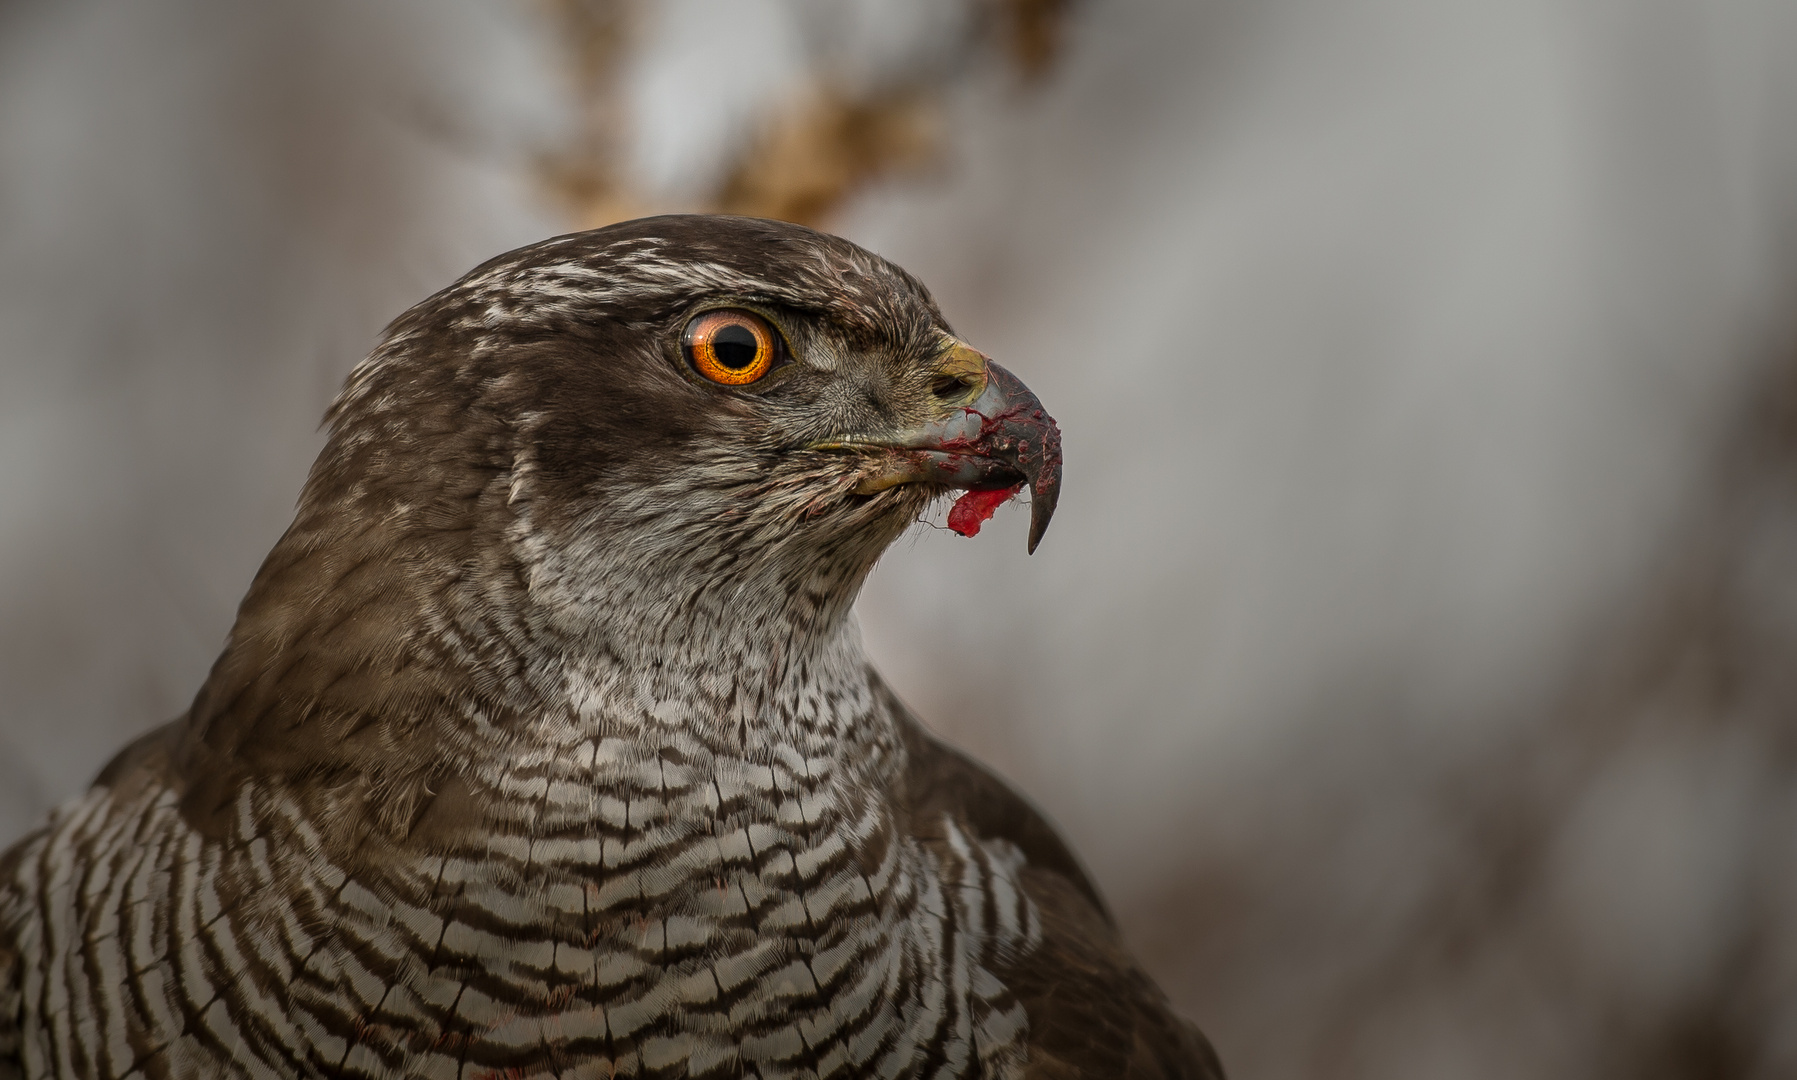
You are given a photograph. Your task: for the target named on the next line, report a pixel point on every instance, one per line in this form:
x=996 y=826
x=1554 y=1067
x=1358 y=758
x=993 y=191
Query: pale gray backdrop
x=1407 y=657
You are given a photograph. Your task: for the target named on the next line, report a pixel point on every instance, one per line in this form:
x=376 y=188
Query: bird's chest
x=684 y=911
x=667 y=914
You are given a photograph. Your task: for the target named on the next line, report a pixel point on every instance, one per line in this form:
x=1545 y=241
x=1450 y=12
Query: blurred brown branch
x=815 y=150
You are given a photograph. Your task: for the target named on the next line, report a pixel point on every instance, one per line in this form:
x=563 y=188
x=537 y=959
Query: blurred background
x=1414 y=655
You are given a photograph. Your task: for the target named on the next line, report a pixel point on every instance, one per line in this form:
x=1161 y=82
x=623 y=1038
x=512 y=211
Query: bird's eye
x=731 y=346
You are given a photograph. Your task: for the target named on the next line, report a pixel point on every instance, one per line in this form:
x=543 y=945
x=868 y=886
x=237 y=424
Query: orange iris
x=731 y=346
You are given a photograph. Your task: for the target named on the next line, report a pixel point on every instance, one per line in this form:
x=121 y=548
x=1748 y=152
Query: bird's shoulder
x=942 y=782
x=1092 y=1011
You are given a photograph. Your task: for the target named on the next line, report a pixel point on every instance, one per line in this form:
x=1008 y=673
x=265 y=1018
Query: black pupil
x=735 y=346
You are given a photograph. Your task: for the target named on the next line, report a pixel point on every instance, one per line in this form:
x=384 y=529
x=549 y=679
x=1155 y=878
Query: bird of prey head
x=727 y=391
x=627 y=443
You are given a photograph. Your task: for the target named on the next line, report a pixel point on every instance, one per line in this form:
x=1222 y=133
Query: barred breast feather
x=671 y=912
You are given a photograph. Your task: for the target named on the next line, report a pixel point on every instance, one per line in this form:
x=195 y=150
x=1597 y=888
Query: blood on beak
x=992 y=446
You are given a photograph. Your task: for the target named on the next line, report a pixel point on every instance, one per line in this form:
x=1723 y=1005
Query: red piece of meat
x=975 y=508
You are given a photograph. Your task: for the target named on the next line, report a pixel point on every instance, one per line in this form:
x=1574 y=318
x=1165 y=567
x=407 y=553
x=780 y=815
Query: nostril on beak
x=949 y=387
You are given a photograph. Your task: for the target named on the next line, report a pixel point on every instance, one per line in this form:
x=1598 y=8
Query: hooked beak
x=998 y=438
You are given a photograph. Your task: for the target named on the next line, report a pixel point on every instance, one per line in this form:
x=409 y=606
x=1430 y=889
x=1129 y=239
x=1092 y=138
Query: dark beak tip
x=1045 y=479
x=1028 y=425
x=1042 y=503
